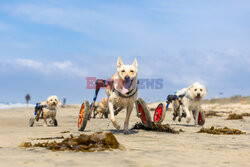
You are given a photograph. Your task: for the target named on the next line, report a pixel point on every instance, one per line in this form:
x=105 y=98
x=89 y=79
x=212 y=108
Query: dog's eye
x=123 y=70
x=201 y=90
x=132 y=71
x=195 y=90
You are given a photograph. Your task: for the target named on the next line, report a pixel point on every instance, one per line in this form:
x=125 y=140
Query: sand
x=143 y=148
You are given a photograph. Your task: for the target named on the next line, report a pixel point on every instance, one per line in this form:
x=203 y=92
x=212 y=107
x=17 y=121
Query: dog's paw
x=126 y=131
x=45 y=125
x=188 y=119
x=118 y=127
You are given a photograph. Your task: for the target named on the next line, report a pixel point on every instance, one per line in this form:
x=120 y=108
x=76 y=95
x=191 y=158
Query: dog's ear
x=119 y=62
x=205 y=89
x=190 y=87
x=135 y=63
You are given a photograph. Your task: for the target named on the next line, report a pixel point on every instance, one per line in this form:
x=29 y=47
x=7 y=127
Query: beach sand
x=143 y=148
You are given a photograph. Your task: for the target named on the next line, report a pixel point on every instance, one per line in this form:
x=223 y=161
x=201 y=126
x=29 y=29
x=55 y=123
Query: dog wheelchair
x=161 y=110
x=38 y=114
x=88 y=109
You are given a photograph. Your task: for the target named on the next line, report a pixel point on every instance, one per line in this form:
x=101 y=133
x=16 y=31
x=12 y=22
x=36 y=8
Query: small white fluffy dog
x=50 y=110
x=124 y=92
x=190 y=101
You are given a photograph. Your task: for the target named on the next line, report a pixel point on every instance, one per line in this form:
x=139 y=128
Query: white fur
x=50 y=112
x=191 y=101
x=115 y=101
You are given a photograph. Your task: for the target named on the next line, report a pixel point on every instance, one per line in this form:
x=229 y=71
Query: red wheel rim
x=143 y=116
x=80 y=119
x=158 y=113
x=199 y=118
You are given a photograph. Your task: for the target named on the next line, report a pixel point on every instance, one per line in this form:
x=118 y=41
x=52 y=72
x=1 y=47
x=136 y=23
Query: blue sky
x=50 y=46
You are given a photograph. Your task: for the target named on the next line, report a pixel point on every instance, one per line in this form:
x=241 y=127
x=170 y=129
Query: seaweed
x=210 y=114
x=245 y=114
x=65 y=132
x=99 y=141
x=234 y=116
x=157 y=128
x=25 y=144
x=49 y=138
x=219 y=131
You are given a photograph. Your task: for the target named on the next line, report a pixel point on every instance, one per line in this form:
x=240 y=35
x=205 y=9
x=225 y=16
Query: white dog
x=189 y=100
x=50 y=110
x=124 y=92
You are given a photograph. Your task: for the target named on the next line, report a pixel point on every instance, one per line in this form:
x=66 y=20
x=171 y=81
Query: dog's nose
x=54 y=103
x=198 y=94
x=127 y=78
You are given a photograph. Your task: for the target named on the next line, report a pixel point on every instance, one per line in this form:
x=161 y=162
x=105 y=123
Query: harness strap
x=127 y=95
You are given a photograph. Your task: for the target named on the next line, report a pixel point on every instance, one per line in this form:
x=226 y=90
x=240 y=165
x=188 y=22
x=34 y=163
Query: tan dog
x=124 y=92
x=190 y=101
x=102 y=107
x=50 y=110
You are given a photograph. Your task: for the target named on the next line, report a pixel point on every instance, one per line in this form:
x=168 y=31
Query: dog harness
x=128 y=94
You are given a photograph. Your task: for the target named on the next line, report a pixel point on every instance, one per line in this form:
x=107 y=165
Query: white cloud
x=66 y=67
x=62 y=65
x=29 y=63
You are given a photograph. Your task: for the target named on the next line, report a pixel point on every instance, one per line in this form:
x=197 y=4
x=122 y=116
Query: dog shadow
x=48 y=126
x=186 y=125
x=121 y=132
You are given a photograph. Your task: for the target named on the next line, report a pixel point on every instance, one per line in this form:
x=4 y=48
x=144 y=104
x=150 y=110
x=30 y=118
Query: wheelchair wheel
x=160 y=113
x=201 y=118
x=143 y=112
x=55 y=123
x=83 y=116
x=31 y=122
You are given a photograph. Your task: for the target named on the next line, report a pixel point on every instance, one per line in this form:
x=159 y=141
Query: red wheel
x=201 y=118
x=83 y=116
x=160 y=113
x=143 y=112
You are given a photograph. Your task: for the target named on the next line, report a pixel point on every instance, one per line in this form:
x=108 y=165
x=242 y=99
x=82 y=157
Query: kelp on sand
x=157 y=128
x=221 y=131
x=100 y=141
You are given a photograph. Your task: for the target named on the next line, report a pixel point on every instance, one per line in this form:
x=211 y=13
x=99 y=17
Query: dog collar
x=128 y=94
x=51 y=109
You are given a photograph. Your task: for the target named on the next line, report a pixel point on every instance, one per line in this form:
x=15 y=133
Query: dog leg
x=176 y=106
x=187 y=113
x=126 y=123
x=179 y=113
x=112 y=116
x=196 y=115
x=45 y=122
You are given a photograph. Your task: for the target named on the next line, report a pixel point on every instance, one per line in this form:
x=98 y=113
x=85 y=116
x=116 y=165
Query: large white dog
x=124 y=92
x=189 y=100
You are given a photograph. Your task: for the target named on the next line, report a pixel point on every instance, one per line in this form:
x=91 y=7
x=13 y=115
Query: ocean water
x=7 y=105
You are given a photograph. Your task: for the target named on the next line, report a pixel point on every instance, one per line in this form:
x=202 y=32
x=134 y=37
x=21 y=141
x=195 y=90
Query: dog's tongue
x=126 y=86
x=124 y=90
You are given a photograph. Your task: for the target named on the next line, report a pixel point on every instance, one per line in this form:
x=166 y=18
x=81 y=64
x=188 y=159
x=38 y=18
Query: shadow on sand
x=121 y=132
